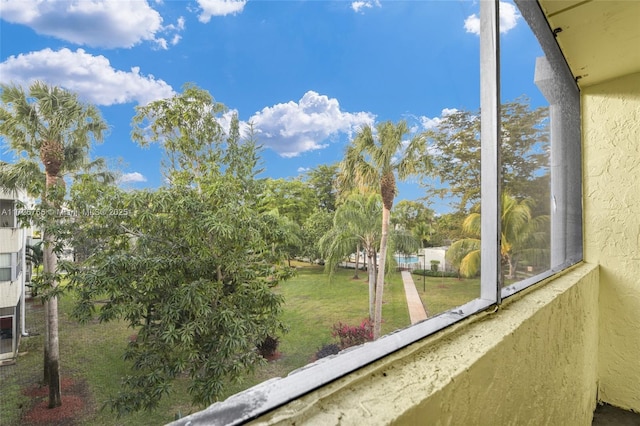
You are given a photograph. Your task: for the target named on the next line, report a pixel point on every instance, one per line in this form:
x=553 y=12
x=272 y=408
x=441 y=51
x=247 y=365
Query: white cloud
x=96 y=23
x=132 y=177
x=360 y=5
x=92 y=77
x=303 y=169
x=432 y=122
x=219 y=8
x=508 y=19
x=293 y=128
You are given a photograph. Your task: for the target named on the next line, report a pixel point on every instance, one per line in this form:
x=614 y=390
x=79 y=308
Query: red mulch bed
x=75 y=401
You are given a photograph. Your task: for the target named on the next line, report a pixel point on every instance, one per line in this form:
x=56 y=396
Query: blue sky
x=308 y=74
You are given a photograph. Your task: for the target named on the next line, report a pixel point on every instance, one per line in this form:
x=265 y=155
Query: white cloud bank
x=132 y=178
x=295 y=127
x=92 y=77
x=96 y=23
x=360 y=5
x=508 y=19
x=219 y=8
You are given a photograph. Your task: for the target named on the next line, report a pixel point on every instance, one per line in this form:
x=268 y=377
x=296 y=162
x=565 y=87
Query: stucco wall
x=611 y=137
x=533 y=362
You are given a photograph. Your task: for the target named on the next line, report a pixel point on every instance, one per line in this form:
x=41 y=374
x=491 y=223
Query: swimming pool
x=406 y=259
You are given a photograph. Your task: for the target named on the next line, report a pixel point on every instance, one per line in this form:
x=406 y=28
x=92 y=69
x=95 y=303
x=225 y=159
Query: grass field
x=91 y=354
x=441 y=294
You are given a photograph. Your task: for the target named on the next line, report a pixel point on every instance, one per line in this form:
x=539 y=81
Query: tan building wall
x=611 y=135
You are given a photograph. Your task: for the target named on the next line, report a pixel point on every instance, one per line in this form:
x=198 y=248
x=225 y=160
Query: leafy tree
x=292 y=198
x=285 y=237
x=416 y=218
x=373 y=160
x=50 y=132
x=409 y=214
x=189 y=266
x=313 y=229
x=521 y=235
x=323 y=181
x=524 y=154
x=447 y=228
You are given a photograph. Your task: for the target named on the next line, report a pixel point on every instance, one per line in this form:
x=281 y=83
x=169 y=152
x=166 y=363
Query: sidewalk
x=417 y=312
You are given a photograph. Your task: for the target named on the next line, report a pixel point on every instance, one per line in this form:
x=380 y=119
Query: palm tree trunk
x=52 y=353
x=371 y=271
x=377 y=320
x=355 y=276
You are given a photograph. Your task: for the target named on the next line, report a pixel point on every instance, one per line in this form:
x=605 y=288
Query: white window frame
x=276 y=392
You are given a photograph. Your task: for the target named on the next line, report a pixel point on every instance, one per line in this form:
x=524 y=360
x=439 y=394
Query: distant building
x=13 y=241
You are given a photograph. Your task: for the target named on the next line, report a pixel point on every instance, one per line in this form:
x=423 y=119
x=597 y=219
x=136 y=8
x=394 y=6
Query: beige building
x=13 y=240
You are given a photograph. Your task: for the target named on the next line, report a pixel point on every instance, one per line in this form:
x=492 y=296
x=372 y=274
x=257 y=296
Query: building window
x=7 y=214
x=10 y=266
x=5 y=266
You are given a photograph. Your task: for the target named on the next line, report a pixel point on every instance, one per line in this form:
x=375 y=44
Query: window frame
x=277 y=392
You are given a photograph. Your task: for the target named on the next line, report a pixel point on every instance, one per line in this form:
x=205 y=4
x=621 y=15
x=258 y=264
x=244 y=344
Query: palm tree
x=423 y=232
x=50 y=132
x=34 y=257
x=522 y=234
x=356 y=225
x=373 y=160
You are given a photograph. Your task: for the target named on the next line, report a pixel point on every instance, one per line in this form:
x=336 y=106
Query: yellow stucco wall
x=611 y=138
x=533 y=362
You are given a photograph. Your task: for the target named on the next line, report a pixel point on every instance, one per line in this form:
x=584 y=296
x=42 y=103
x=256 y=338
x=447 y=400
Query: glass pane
x=5 y=260
x=5 y=274
x=540 y=167
x=7 y=218
x=6 y=335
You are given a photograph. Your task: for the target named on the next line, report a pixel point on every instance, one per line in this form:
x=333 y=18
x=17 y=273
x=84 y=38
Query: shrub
x=326 y=350
x=438 y=274
x=353 y=335
x=268 y=347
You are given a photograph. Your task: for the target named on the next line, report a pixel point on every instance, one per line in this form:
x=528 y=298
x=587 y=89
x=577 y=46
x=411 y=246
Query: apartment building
x=13 y=241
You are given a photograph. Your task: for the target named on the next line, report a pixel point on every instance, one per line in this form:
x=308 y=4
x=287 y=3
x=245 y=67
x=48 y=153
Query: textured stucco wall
x=533 y=362
x=611 y=137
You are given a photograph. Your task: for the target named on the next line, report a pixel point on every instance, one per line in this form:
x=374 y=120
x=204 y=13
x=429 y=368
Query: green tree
x=524 y=153
x=522 y=235
x=292 y=198
x=372 y=160
x=50 y=132
x=313 y=229
x=323 y=181
x=190 y=266
x=408 y=214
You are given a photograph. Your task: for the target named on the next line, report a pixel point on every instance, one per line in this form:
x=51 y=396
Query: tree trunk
x=51 y=154
x=377 y=320
x=45 y=360
x=355 y=276
x=371 y=271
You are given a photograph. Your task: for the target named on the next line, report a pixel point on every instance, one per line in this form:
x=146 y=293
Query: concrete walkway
x=417 y=312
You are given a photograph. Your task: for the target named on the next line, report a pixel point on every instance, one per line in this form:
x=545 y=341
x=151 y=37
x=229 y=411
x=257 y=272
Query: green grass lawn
x=92 y=353
x=441 y=294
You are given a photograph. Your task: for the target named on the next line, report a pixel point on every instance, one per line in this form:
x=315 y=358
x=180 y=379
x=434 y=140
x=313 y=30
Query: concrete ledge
x=534 y=362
